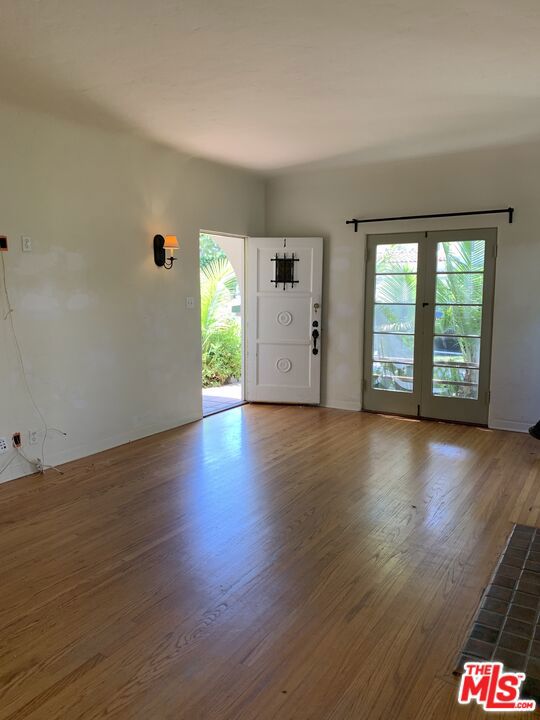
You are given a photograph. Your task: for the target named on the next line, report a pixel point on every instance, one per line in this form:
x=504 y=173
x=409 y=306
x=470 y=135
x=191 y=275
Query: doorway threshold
x=207 y=412
x=218 y=399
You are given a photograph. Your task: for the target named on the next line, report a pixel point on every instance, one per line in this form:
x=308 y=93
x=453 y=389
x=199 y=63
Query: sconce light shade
x=171 y=242
x=161 y=244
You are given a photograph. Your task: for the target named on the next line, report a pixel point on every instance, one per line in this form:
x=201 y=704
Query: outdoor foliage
x=221 y=334
x=458 y=317
x=208 y=250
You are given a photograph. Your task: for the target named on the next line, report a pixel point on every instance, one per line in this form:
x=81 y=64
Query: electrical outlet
x=190 y=303
x=17 y=440
x=26 y=243
x=33 y=437
x=4 y=447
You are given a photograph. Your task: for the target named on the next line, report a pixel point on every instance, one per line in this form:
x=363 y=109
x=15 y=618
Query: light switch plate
x=190 y=303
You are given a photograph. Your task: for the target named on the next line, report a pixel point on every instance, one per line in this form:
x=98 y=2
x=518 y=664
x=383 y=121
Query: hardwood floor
x=269 y=562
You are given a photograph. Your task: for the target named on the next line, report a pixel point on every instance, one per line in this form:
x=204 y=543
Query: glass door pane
x=457 y=336
x=394 y=314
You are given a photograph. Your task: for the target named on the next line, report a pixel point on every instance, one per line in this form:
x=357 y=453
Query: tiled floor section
x=213 y=405
x=217 y=399
x=507 y=626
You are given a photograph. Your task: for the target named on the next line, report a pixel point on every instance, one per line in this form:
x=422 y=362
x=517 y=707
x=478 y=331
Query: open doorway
x=221 y=260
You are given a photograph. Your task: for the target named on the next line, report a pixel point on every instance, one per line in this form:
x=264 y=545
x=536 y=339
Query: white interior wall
x=111 y=351
x=318 y=201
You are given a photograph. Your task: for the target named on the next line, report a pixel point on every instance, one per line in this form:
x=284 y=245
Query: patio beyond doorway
x=222 y=337
x=216 y=399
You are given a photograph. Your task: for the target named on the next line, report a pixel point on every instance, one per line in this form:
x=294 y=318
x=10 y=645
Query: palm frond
x=218 y=282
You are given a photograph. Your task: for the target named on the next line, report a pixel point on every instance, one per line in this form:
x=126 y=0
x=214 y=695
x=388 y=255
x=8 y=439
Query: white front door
x=284 y=283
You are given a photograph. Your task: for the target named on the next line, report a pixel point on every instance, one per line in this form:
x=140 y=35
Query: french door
x=429 y=308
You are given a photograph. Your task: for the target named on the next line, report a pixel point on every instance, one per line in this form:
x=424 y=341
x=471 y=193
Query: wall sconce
x=161 y=244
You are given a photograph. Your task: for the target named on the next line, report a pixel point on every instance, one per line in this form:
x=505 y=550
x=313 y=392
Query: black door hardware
x=315 y=335
x=284 y=270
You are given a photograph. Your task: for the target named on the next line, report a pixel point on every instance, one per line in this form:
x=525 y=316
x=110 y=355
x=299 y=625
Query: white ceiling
x=269 y=84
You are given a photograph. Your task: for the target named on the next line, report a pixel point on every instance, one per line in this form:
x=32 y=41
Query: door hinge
x=367 y=254
x=488 y=396
x=495 y=250
x=364 y=384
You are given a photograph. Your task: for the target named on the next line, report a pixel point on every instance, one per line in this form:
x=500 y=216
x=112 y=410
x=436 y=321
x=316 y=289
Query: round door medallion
x=284 y=317
x=284 y=365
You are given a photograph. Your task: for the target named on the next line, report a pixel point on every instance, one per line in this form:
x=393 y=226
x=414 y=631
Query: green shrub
x=222 y=357
x=221 y=334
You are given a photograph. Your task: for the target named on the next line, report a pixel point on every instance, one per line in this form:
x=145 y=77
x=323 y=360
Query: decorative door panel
x=285 y=269
x=283 y=318
x=285 y=367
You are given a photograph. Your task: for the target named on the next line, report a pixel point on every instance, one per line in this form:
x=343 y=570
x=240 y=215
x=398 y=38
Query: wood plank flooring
x=267 y=563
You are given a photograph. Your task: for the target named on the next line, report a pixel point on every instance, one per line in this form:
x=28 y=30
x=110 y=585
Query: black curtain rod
x=356 y=222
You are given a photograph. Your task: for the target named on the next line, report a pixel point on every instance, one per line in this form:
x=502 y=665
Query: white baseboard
x=510 y=425
x=20 y=468
x=342 y=405
x=17 y=469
